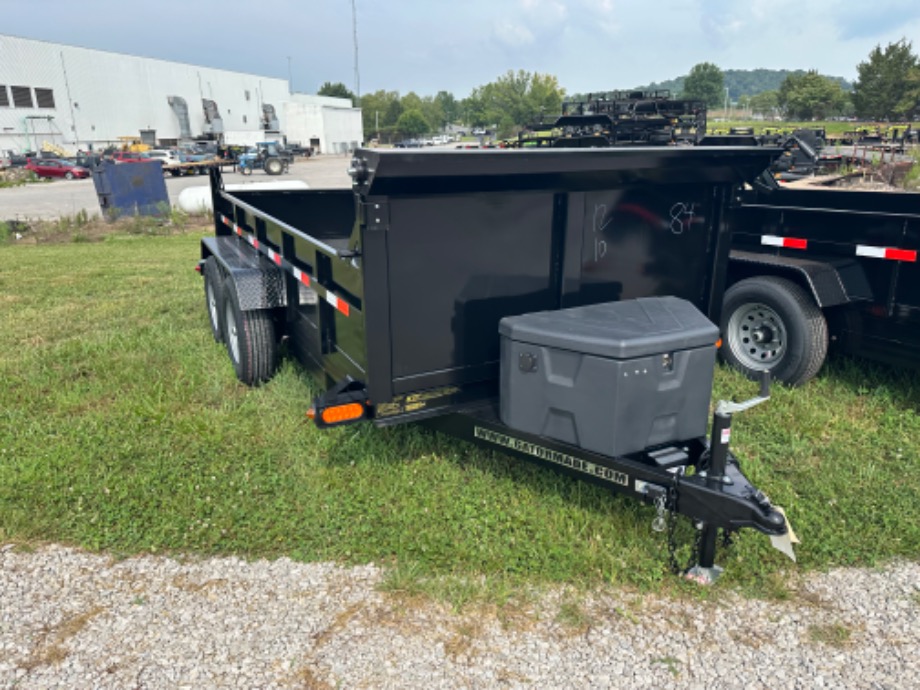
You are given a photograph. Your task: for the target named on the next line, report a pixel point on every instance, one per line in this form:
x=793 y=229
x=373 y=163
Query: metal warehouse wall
x=74 y=97
x=312 y=119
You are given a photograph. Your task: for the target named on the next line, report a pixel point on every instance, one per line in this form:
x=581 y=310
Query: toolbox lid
x=619 y=330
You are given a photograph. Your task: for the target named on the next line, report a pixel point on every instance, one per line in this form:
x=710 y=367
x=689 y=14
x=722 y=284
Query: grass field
x=123 y=428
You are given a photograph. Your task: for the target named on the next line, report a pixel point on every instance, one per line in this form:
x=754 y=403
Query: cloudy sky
x=455 y=45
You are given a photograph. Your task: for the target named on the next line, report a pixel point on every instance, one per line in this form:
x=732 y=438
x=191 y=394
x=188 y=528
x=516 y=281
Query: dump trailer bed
x=393 y=292
x=417 y=264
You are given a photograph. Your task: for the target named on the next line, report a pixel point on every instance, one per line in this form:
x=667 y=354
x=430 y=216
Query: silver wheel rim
x=232 y=339
x=757 y=336
x=212 y=306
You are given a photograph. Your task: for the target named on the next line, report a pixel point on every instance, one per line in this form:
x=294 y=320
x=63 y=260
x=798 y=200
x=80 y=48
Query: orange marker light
x=343 y=413
x=719 y=344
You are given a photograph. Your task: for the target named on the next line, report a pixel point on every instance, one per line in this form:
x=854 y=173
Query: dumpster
x=131 y=189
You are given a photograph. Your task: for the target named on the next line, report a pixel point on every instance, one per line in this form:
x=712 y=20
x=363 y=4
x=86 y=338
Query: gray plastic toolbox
x=613 y=378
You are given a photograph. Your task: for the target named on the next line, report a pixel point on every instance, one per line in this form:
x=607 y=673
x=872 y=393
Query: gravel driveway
x=70 y=619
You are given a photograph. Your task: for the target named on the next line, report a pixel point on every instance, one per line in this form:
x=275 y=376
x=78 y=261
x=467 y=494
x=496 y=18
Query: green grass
x=122 y=428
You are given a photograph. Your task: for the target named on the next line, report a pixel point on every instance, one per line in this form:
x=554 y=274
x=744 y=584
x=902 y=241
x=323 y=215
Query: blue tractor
x=269 y=156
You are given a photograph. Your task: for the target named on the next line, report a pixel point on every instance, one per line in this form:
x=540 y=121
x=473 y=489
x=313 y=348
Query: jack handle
x=728 y=408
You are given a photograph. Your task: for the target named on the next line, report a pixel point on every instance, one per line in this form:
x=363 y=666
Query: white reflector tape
x=890 y=253
x=874 y=252
x=787 y=242
x=301 y=276
x=274 y=256
x=340 y=304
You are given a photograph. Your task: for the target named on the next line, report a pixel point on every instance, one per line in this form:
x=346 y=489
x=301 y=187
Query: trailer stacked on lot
x=556 y=305
x=620 y=118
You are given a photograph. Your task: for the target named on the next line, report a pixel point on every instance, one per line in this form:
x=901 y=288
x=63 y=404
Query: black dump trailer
x=813 y=269
x=556 y=305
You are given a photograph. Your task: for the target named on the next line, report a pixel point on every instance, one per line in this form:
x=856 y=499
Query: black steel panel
x=646 y=241
x=456 y=267
x=324 y=214
x=399 y=172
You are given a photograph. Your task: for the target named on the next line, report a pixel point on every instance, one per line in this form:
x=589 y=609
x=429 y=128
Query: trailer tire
x=772 y=323
x=273 y=166
x=250 y=339
x=214 y=297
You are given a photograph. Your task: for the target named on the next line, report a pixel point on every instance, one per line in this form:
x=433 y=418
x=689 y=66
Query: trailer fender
x=259 y=282
x=830 y=284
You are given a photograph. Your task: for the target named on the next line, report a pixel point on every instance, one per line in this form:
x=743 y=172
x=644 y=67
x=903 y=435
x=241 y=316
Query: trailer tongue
x=556 y=305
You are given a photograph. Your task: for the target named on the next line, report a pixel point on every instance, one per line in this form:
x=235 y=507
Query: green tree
x=412 y=123
x=379 y=111
x=337 y=90
x=909 y=105
x=882 y=88
x=706 y=83
x=765 y=103
x=811 y=96
x=450 y=107
x=513 y=100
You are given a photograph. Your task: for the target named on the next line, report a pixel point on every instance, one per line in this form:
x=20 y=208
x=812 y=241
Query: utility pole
x=290 y=76
x=354 y=27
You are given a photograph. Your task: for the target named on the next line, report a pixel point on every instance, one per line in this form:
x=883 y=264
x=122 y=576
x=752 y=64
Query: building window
x=247 y=95
x=4 y=97
x=22 y=97
x=44 y=97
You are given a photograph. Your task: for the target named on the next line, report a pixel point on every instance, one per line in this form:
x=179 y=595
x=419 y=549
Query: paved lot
x=67 y=197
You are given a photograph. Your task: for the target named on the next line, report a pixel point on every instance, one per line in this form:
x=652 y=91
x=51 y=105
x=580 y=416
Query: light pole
x=290 y=76
x=354 y=29
x=726 y=103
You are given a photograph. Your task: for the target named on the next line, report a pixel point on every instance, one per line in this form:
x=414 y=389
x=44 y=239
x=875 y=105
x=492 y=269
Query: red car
x=51 y=167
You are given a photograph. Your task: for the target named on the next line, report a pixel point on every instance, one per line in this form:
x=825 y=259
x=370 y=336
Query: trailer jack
x=719 y=473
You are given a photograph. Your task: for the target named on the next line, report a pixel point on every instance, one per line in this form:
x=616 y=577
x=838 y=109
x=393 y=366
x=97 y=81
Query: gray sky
x=456 y=45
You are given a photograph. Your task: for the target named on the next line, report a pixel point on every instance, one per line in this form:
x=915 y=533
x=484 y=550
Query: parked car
x=408 y=144
x=130 y=157
x=50 y=167
x=19 y=160
x=166 y=157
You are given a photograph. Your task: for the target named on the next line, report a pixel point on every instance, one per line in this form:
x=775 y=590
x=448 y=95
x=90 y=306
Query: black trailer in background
x=392 y=292
x=818 y=268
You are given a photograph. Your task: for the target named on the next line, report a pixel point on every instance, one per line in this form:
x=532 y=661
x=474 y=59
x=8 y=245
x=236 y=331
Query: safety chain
x=667 y=513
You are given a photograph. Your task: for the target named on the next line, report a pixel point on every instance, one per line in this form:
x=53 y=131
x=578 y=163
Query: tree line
x=887 y=88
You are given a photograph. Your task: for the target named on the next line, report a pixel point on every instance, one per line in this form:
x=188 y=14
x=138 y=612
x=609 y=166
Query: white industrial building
x=78 y=98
